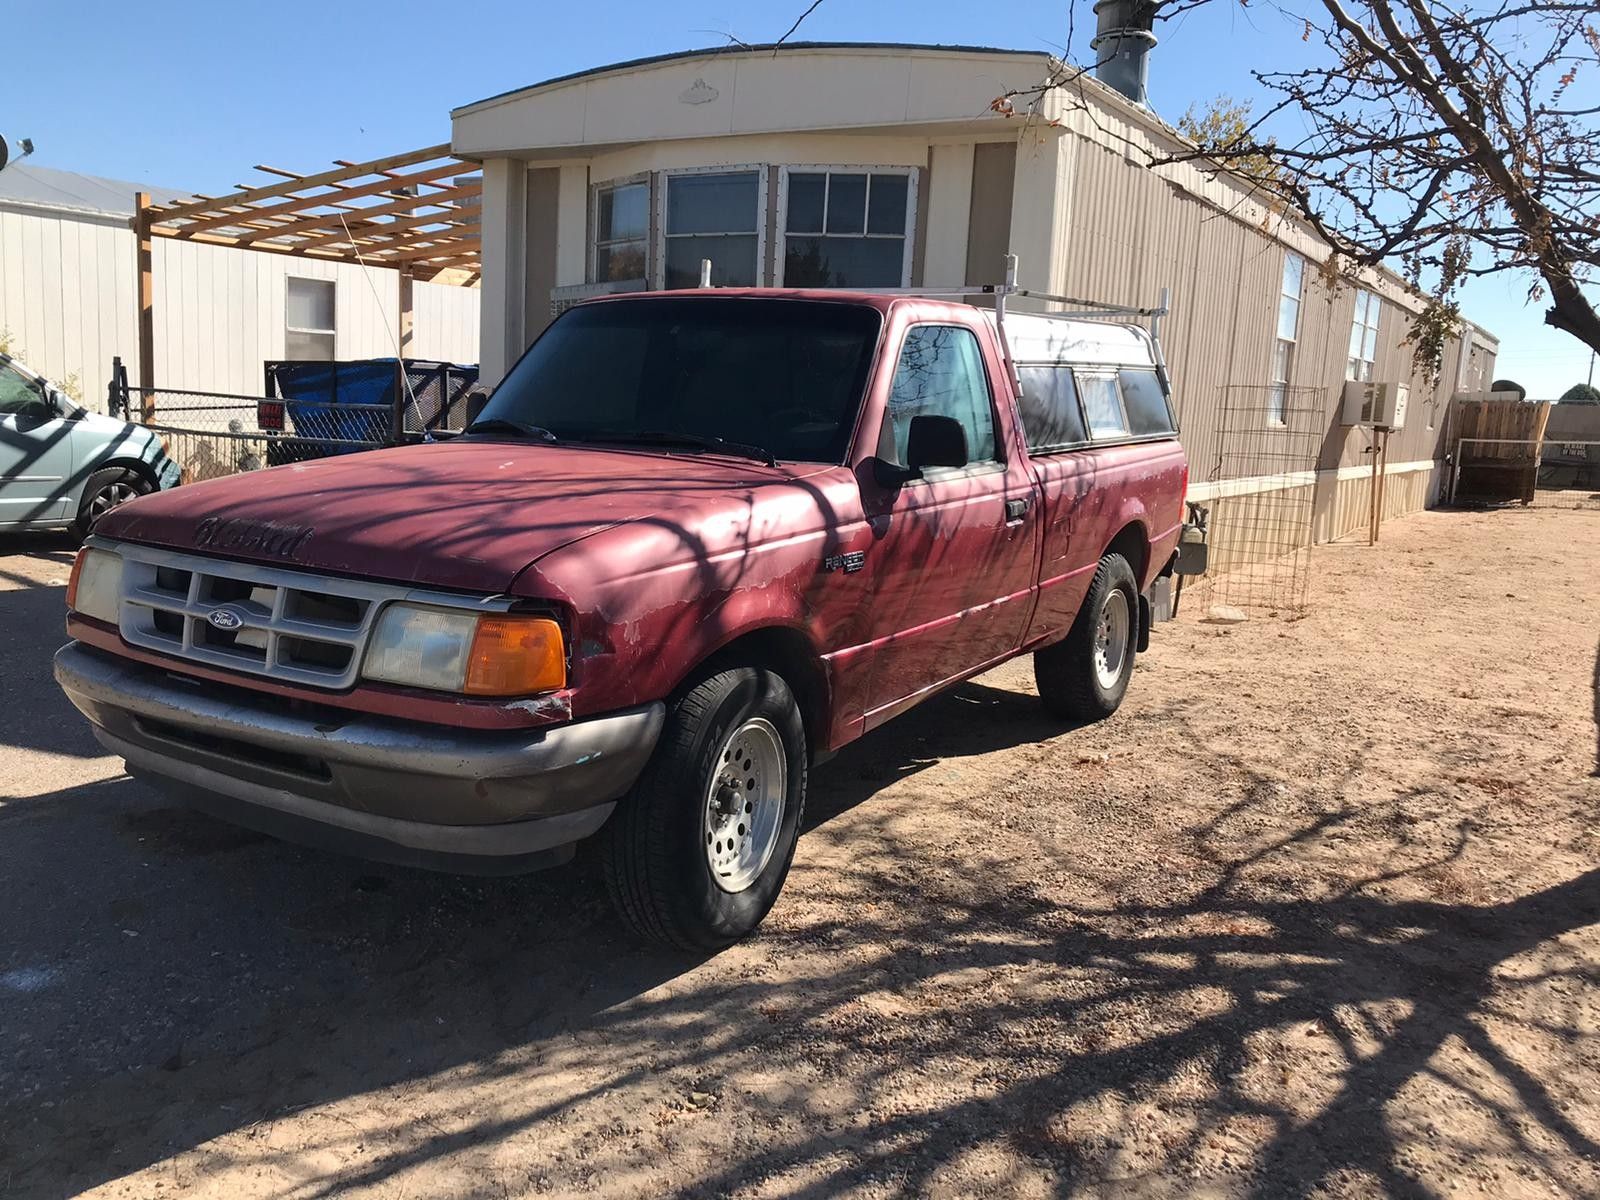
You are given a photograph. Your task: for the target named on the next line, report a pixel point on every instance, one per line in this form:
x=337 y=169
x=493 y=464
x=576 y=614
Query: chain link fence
x=213 y=434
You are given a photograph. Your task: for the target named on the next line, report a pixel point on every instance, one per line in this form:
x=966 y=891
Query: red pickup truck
x=695 y=542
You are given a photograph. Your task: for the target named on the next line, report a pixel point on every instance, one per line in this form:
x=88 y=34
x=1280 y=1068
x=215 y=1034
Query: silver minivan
x=63 y=465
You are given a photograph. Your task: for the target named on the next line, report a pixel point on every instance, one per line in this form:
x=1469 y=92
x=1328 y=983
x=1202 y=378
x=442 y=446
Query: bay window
x=715 y=215
x=621 y=232
x=845 y=228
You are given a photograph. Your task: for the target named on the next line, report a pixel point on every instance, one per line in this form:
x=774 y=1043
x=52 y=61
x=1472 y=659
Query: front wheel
x=696 y=854
x=1084 y=677
x=105 y=490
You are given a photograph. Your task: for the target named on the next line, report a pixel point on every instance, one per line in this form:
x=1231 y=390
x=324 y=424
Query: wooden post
x=1372 y=496
x=147 y=308
x=407 y=316
x=1383 y=480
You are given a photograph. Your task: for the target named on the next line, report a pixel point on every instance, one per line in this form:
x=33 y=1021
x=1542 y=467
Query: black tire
x=657 y=865
x=1067 y=673
x=103 y=491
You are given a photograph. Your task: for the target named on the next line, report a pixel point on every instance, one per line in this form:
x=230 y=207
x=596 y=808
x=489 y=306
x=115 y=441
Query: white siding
x=68 y=296
x=446 y=323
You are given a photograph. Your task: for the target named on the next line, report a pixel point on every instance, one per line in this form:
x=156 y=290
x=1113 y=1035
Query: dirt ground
x=1317 y=913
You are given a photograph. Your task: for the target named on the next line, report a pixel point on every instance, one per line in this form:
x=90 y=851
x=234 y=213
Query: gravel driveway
x=1316 y=913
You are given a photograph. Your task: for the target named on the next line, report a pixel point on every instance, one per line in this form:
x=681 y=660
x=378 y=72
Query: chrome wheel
x=1111 y=638
x=109 y=497
x=744 y=804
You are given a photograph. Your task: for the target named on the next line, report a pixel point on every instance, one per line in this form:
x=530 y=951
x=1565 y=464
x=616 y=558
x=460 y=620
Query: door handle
x=1017 y=509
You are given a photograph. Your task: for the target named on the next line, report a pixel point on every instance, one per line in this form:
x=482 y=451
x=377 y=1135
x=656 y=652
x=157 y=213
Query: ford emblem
x=224 y=618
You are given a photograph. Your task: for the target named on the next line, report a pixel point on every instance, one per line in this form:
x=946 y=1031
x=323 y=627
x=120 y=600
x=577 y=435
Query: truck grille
x=289 y=625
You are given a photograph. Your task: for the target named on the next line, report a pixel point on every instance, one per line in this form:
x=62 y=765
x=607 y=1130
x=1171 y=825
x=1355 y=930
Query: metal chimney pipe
x=1122 y=43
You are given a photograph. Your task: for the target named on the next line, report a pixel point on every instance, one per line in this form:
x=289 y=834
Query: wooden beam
x=407 y=317
x=412 y=253
x=147 y=305
x=331 y=220
x=410 y=158
x=300 y=204
x=386 y=229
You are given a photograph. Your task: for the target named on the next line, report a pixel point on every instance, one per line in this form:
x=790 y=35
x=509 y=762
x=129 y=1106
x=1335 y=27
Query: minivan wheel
x=697 y=852
x=1085 y=676
x=105 y=490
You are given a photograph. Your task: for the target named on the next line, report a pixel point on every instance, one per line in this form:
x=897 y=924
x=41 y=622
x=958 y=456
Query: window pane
x=787 y=375
x=1275 y=404
x=1293 y=274
x=805 y=202
x=1148 y=414
x=733 y=261
x=843 y=262
x=847 y=203
x=1280 y=361
x=941 y=374
x=1102 y=405
x=1355 y=340
x=621 y=260
x=887 y=207
x=1369 y=346
x=308 y=303
x=308 y=347
x=624 y=212
x=1049 y=408
x=723 y=203
x=1288 y=317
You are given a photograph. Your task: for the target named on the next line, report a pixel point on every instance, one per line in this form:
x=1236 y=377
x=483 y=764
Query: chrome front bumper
x=423 y=795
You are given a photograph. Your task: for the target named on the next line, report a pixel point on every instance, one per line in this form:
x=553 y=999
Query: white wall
x=68 y=296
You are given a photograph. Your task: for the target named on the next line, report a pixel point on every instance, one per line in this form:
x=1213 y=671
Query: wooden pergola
x=417 y=213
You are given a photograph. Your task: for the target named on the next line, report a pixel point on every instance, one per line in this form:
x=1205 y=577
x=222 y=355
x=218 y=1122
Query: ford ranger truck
x=694 y=543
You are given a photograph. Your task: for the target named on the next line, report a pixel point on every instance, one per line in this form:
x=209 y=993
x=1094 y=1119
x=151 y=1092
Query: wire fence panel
x=212 y=434
x=1259 y=481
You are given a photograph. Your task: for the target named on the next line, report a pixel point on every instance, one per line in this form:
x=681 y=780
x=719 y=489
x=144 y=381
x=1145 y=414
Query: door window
x=19 y=394
x=940 y=373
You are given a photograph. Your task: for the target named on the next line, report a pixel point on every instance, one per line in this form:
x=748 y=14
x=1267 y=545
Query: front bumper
x=405 y=792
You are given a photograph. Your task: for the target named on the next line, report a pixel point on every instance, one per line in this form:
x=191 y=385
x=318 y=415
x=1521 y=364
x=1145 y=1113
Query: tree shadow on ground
x=263 y=981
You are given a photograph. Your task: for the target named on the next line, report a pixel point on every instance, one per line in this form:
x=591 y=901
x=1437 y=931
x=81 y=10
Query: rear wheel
x=105 y=490
x=1084 y=677
x=696 y=854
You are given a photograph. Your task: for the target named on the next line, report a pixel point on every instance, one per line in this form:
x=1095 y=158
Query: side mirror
x=936 y=442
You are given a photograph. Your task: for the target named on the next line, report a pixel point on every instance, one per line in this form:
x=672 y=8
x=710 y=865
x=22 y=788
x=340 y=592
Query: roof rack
x=1092 y=309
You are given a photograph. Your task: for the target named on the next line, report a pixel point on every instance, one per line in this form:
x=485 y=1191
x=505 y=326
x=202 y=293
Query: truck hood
x=466 y=515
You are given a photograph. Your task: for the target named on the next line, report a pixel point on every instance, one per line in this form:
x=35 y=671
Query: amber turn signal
x=72 y=579
x=513 y=655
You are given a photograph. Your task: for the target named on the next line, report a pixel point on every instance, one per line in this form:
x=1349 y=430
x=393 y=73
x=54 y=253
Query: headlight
x=495 y=654
x=95 y=589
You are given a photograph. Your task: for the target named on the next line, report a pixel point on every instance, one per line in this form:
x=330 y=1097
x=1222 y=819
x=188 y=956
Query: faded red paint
x=657 y=560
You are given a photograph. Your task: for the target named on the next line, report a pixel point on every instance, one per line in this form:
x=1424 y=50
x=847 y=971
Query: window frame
x=1278 y=389
x=1090 y=441
x=1083 y=417
x=987 y=466
x=1376 y=326
x=332 y=334
x=780 y=250
x=658 y=276
x=591 y=266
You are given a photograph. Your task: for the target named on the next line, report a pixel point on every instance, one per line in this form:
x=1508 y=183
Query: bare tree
x=1442 y=140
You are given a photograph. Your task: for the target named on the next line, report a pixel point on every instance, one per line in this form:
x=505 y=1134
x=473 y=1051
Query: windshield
x=784 y=376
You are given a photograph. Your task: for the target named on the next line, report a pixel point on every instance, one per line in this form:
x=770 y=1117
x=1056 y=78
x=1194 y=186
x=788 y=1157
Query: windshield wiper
x=696 y=441
x=506 y=425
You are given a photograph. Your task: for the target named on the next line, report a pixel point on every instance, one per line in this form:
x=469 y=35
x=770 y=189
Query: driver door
x=35 y=453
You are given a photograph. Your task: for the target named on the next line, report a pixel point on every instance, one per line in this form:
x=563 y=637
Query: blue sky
x=191 y=96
